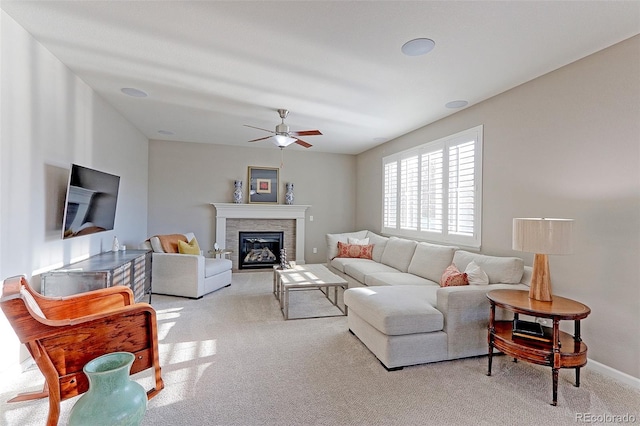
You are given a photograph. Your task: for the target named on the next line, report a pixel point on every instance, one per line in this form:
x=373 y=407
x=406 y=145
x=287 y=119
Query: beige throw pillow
x=476 y=275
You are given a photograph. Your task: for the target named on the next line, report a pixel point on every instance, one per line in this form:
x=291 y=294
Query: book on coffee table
x=531 y=330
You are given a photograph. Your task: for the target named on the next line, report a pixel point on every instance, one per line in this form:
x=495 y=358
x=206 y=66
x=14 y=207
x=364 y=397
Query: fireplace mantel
x=226 y=211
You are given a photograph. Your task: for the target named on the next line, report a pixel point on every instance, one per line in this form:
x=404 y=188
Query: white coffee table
x=306 y=277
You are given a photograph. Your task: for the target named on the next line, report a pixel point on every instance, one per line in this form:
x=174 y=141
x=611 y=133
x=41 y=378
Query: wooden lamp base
x=540 y=288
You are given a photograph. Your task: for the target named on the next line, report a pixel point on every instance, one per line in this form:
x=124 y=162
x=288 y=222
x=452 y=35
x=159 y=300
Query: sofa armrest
x=177 y=274
x=466 y=317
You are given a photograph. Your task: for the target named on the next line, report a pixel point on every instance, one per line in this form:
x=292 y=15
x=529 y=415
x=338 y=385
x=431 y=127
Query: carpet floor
x=230 y=359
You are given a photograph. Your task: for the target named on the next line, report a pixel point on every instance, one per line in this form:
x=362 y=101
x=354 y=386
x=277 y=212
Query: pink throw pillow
x=355 y=250
x=453 y=277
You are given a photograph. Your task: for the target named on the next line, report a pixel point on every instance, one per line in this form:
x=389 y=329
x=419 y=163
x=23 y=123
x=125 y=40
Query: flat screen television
x=91 y=201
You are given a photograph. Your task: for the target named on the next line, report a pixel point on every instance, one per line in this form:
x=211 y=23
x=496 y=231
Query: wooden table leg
x=577 y=338
x=555 y=386
x=492 y=330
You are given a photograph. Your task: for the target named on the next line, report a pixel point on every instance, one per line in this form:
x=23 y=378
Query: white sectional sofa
x=398 y=309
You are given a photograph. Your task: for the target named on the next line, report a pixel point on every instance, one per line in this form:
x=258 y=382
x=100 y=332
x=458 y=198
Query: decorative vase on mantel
x=237 y=193
x=288 y=196
x=113 y=398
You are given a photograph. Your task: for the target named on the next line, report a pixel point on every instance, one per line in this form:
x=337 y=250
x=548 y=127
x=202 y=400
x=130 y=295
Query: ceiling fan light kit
x=282 y=141
x=283 y=136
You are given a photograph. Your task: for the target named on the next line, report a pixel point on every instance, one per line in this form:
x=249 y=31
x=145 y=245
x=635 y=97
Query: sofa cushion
x=430 y=260
x=395 y=310
x=340 y=262
x=396 y=278
x=332 y=241
x=361 y=242
x=359 y=270
x=154 y=242
x=505 y=270
x=398 y=253
x=355 y=250
x=216 y=266
x=379 y=243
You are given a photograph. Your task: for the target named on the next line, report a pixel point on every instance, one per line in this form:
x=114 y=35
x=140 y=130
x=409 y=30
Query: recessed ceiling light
x=136 y=93
x=418 y=46
x=166 y=132
x=456 y=104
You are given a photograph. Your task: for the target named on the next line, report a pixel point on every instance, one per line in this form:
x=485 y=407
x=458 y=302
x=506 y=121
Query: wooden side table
x=564 y=350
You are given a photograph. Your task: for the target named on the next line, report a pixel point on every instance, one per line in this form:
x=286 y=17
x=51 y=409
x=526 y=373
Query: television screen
x=91 y=202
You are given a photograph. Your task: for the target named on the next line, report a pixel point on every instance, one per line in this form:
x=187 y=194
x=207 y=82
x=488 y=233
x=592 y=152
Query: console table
x=564 y=350
x=131 y=268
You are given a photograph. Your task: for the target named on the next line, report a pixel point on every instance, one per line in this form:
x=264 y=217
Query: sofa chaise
x=397 y=306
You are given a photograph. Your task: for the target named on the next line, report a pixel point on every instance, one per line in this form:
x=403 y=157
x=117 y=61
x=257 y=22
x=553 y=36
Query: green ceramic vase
x=113 y=398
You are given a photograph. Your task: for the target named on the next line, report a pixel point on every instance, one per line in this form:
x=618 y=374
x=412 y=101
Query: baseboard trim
x=613 y=373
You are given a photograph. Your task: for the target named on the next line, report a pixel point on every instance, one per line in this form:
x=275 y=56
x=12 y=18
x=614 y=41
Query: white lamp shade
x=283 y=141
x=543 y=235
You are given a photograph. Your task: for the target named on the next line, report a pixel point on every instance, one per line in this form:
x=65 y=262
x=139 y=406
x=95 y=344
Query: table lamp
x=542 y=236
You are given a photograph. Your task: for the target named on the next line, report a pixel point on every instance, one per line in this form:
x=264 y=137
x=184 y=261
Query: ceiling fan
x=283 y=137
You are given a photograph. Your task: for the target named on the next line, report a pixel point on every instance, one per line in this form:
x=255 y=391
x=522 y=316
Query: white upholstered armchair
x=185 y=275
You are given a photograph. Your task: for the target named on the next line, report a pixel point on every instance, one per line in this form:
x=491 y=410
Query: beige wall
x=564 y=145
x=50 y=119
x=184 y=178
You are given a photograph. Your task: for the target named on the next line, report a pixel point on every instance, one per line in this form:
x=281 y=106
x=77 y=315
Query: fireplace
x=258 y=249
x=232 y=218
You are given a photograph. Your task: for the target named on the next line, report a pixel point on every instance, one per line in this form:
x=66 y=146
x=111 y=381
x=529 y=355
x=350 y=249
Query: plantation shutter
x=434 y=191
x=390 y=195
x=462 y=188
x=432 y=185
x=409 y=180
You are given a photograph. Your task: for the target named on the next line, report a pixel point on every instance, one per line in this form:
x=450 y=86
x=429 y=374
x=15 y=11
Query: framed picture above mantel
x=263 y=185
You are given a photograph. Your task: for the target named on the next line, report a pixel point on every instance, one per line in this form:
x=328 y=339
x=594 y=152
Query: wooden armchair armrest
x=84 y=304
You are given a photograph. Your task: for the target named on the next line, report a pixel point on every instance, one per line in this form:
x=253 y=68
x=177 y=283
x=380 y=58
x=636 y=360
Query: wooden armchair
x=64 y=333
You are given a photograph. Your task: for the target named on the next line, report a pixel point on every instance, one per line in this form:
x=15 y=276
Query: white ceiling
x=210 y=67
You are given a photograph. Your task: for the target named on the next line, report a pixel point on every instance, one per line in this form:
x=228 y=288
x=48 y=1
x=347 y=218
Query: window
x=434 y=191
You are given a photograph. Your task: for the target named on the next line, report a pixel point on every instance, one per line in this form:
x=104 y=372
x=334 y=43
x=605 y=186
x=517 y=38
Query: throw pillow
x=355 y=250
x=476 y=275
x=191 y=247
x=169 y=242
x=361 y=242
x=453 y=277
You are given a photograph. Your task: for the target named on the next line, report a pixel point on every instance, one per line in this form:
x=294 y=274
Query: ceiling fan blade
x=260 y=139
x=259 y=128
x=306 y=133
x=303 y=143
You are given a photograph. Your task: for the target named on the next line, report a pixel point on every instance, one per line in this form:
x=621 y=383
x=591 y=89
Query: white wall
x=50 y=119
x=184 y=178
x=564 y=145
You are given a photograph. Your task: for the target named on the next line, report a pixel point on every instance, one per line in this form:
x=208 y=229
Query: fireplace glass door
x=259 y=249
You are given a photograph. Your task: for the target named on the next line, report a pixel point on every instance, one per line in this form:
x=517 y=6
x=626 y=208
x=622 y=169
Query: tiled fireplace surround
x=233 y=218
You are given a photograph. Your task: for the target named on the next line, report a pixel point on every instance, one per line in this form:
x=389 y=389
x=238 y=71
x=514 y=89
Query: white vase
x=288 y=196
x=237 y=193
x=116 y=244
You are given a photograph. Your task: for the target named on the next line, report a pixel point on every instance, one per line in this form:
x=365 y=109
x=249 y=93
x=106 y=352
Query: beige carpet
x=230 y=359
